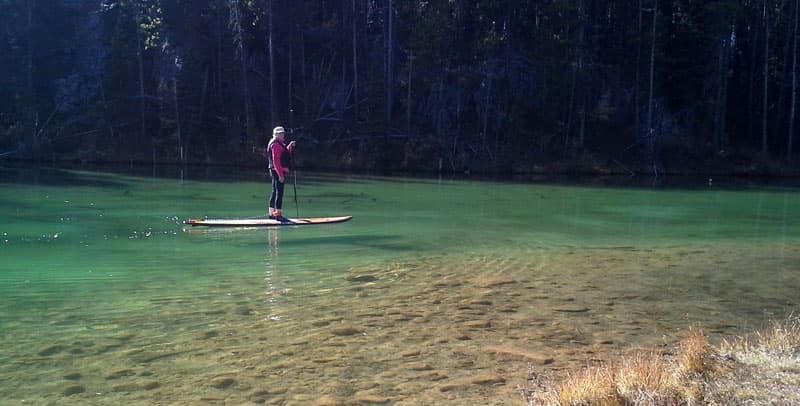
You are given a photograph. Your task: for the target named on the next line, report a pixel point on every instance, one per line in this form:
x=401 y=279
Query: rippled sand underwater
x=437 y=330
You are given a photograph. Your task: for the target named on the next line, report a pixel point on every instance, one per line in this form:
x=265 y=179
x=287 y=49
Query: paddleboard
x=264 y=222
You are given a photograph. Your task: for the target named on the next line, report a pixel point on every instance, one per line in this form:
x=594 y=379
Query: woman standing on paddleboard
x=276 y=152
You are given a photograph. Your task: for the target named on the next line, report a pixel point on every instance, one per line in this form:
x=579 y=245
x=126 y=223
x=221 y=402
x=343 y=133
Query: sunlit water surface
x=439 y=291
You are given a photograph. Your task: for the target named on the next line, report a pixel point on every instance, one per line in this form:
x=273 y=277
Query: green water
x=107 y=298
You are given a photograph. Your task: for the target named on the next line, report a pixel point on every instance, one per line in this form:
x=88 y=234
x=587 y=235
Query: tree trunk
x=651 y=133
x=582 y=131
x=106 y=114
x=33 y=141
x=779 y=116
x=344 y=98
x=637 y=113
x=176 y=106
x=577 y=70
x=765 y=89
x=162 y=98
x=273 y=108
x=720 y=102
x=140 y=63
x=248 y=106
x=571 y=101
x=790 y=135
x=218 y=87
x=303 y=80
x=290 y=90
x=202 y=111
x=389 y=61
x=584 y=20
x=751 y=83
x=724 y=139
x=459 y=110
x=354 y=29
x=487 y=107
x=238 y=34
x=408 y=96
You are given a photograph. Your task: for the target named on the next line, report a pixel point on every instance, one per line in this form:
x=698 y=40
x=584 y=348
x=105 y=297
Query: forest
x=624 y=86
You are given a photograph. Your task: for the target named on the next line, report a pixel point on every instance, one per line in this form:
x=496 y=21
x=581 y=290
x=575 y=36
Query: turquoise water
x=107 y=298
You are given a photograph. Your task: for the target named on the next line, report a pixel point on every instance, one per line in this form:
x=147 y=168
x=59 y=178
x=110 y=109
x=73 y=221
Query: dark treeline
x=644 y=85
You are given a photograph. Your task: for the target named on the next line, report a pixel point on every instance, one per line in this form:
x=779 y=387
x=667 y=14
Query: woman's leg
x=278 y=195
x=274 y=195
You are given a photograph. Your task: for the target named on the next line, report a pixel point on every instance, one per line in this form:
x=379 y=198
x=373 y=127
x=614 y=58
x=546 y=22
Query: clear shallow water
x=438 y=291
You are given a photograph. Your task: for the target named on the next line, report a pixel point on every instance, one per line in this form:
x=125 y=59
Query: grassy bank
x=763 y=368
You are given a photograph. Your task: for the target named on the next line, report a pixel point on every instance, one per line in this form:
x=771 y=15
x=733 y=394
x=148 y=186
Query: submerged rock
x=514 y=354
x=448 y=387
x=151 y=385
x=361 y=278
x=51 y=350
x=268 y=392
x=491 y=281
x=120 y=374
x=345 y=330
x=205 y=335
x=478 y=324
x=244 y=311
x=370 y=399
x=571 y=309
x=133 y=386
x=436 y=375
x=327 y=400
x=488 y=379
x=222 y=383
x=419 y=366
x=74 y=390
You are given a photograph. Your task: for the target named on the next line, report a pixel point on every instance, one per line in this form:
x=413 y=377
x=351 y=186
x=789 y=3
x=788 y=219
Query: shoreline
x=589 y=165
x=760 y=368
x=432 y=331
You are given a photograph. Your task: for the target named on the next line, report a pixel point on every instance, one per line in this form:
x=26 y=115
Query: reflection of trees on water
x=272 y=292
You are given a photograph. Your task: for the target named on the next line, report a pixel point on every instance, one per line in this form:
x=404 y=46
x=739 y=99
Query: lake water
x=438 y=291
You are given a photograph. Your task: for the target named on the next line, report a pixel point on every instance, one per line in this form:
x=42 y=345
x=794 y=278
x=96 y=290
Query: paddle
x=294 y=172
x=296 y=206
x=291 y=156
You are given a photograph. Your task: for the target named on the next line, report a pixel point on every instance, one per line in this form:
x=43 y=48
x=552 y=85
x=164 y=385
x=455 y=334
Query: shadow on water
x=10 y=205
x=675 y=182
x=381 y=242
x=179 y=172
x=55 y=177
x=81 y=175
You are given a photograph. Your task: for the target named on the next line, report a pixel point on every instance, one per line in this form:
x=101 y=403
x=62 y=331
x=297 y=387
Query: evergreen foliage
x=386 y=84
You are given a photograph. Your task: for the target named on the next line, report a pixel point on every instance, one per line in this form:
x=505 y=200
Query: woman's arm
x=277 y=151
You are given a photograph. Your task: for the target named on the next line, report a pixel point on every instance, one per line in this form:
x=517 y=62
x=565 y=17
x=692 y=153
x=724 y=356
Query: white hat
x=278 y=130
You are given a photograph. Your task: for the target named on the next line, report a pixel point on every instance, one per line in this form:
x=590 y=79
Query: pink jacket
x=277 y=150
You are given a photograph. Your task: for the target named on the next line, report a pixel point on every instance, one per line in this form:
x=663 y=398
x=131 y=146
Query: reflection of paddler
x=277 y=152
x=273 y=237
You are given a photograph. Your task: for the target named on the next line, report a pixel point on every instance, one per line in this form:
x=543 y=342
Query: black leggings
x=276 y=198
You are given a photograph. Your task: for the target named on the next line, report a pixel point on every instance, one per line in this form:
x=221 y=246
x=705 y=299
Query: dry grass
x=765 y=367
x=591 y=385
x=782 y=337
x=646 y=378
x=779 y=338
x=694 y=353
x=762 y=369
